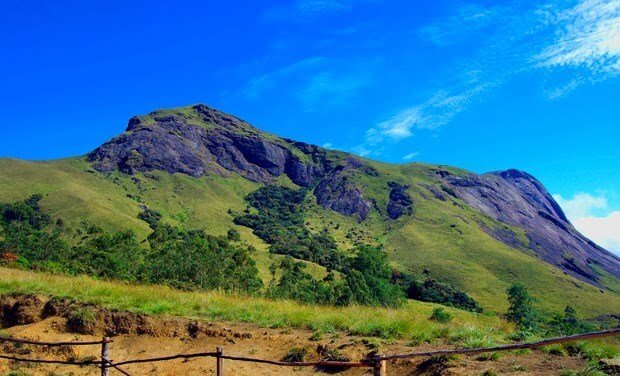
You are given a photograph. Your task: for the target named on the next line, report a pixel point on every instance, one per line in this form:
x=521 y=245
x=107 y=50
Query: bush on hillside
x=278 y=220
x=182 y=258
x=441 y=316
x=433 y=291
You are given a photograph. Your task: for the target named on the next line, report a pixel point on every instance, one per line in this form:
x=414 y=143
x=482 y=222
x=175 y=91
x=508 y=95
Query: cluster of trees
x=428 y=289
x=189 y=259
x=278 y=220
x=529 y=319
x=365 y=280
x=275 y=214
x=192 y=259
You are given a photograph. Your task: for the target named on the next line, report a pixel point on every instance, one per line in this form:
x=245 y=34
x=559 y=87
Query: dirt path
x=137 y=336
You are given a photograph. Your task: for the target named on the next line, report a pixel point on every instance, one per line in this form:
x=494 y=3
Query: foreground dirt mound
x=139 y=336
x=89 y=319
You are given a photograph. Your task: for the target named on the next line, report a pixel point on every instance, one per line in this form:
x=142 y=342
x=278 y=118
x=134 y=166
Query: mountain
x=196 y=165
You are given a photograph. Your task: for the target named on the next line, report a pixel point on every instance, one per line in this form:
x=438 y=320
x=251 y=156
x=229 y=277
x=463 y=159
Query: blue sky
x=483 y=85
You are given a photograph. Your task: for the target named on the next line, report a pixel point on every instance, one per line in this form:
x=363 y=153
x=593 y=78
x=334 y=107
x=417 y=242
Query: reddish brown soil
x=138 y=336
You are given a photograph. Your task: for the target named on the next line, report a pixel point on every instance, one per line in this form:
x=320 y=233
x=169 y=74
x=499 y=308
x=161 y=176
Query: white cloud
x=366 y=151
x=581 y=204
x=328 y=145
x=259 y=84
x=313 y=81
x=515 y=38
x=331 y=88
x=433 y=113
x=582 y=210
x=469 y=19
x=587 y=36
x=562 y=91
x=410 y=156
x=605 y=231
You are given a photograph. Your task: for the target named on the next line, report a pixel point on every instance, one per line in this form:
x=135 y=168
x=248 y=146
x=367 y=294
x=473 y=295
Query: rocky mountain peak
x=518 y=199
x=198 y=140
x=538 y=192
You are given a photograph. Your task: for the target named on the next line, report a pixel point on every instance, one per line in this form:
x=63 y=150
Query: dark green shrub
x=188 y=259
x=150 y=216
x=521 y=310
x=433 y=291
x=279 y=221
x=233 y=235
x=440 y=315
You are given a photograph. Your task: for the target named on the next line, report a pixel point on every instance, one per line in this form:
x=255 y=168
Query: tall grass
x=411 y=321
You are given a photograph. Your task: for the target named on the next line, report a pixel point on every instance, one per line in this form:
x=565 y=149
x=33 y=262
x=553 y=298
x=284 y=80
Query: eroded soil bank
x=139 y=336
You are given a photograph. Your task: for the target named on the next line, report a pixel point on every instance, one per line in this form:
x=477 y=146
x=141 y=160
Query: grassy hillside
x=76 y=193
x=442 y=237
x=411 y=321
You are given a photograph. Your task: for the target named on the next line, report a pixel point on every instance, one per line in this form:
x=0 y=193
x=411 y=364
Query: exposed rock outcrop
x=400 y=201
x=201 y=141
x=518 y=199
x=337 y=192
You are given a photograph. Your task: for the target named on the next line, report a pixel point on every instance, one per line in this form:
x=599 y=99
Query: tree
x=233 y=235
x=370 y=277
x=521 y=310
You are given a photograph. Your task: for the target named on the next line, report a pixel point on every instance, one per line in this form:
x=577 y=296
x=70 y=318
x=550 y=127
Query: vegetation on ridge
x=181 y=258
x=409 y=322
x=275 y=213
x=463 y=256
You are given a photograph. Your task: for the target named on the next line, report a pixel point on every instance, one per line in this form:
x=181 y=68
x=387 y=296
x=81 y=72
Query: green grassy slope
x=75 y=192
x=442 y=237
x=411 y=321
x=447 y=240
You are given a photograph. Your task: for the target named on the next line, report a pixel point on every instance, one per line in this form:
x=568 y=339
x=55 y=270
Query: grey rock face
x=400 y=201
x=172 y=143
x=220 y=143
x=518 y=199
x=338 y=193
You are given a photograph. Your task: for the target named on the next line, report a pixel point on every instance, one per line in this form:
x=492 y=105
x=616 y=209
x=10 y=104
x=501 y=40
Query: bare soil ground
x=137 y=336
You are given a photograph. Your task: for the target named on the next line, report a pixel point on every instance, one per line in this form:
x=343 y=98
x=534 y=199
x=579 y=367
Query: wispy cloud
x=590 y=214
x=468 y=20
x=410 y=156
x=582 y=35
x=312 y=81
x=582 y=204
x=331 y=88
x=268 y=80
x=603 y=230
x=367 y=151
x=433 y=113
x=587 y=36
x=562 y=91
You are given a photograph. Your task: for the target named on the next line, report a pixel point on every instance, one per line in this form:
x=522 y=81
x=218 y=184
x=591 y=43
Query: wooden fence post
x=219 y=365
x=105 y=356
x=380 y=366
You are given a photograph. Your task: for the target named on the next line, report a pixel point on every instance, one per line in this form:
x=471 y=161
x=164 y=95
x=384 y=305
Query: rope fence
x=377 y=362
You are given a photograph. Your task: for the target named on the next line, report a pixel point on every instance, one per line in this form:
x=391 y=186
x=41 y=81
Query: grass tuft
x=471 y=337
x=296 y=354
